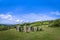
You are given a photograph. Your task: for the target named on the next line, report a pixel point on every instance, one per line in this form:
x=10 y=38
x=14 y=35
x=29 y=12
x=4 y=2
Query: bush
x=3 y=28
x=55 y=23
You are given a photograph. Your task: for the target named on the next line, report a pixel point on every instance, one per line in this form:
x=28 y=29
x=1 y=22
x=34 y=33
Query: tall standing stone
x=20 y=29
x=27 y=29
x=24 y=28
x=17 y=28
x=35 y=29
x=39 y=28
x=31 y=28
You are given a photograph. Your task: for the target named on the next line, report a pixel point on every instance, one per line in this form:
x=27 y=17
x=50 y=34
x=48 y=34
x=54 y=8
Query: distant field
x=48 y=33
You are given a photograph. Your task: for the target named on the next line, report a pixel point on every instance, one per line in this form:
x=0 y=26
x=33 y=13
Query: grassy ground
x=48 y=33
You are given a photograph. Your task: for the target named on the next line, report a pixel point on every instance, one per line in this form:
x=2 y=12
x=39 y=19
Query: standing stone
x=35 y=29
x=17 y=28
x=27 y=29
x=31 y=28
x=39 y=28
x=20 y=29
x=24 y=28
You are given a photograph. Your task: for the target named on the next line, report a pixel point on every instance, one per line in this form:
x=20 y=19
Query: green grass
x=48 y=33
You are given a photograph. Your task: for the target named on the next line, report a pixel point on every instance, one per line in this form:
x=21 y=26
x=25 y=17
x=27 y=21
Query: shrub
x=3 y=28
x=55 y=23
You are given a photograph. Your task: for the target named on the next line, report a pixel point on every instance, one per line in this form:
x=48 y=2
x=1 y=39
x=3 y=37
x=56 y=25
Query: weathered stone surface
x=20 y=29
x=17 y=28
x=28 y=29
x=39 y=28
x=35 y=28
x=24 y=28
x=31 y=28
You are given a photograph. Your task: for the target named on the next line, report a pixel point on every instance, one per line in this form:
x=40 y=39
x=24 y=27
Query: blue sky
x=19 y=11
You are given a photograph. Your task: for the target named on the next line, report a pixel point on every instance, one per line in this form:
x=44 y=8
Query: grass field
x=48 y=33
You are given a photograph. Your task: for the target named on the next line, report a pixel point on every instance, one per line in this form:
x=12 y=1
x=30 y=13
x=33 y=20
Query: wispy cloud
x=30 y=17
x=37 y=17
x=4 y=16
x=55 y=13
x=8 y=18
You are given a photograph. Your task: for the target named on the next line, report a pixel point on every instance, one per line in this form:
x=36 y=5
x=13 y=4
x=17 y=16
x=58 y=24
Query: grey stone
x=39 y=28
x=20 y=29
x=24 y=28
x=35 y=28
x=28 y=29
x=17 y=28
x=31 y=28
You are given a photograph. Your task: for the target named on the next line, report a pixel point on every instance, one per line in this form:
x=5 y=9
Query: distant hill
x=39 y=23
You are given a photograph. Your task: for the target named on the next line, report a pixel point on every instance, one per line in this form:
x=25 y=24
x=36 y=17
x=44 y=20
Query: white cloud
x=37 y=17
x=3 y=16
x=30 y=17
x=9 y=18
x=17 y=20
x=55 y=13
